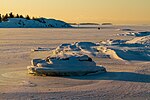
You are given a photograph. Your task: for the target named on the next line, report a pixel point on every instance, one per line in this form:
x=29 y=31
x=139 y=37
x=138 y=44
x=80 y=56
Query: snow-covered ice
x=120 y=79
x=64 y=66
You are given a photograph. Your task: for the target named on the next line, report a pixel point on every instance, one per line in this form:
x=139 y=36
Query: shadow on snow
x=118 y=76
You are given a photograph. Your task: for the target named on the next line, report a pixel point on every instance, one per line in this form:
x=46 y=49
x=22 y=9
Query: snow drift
x=77 y=48
x=137 y=49
x=145 y=40
x=137 y=34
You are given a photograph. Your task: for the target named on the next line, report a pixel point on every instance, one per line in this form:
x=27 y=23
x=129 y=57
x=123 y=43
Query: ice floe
x=64 y=65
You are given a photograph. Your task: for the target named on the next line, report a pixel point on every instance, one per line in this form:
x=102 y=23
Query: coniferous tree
x=0 y=18
x=11 y=15
x=5 y=17
x=21 y=16
x=33 y=18
x=17 y=16
x=28 y=17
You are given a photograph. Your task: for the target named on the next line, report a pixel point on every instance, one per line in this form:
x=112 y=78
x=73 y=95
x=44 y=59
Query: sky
x=98 y=11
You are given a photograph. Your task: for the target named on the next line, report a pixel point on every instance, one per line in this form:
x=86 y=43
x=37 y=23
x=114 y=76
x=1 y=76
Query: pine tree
x=0 y=18
x=11 y=15
x=33 y=18
x=27 y=17
x=5 y=17
x=17 y=16
x=21 y=16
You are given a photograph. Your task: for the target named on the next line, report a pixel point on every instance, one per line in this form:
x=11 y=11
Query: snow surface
x=39 y=23
x=120 y=80
x=125 y=29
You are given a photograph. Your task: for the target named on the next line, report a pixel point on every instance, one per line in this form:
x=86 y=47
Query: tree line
x=11 y=15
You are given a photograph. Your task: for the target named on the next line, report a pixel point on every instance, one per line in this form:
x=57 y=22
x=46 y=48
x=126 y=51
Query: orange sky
x=115 y=11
